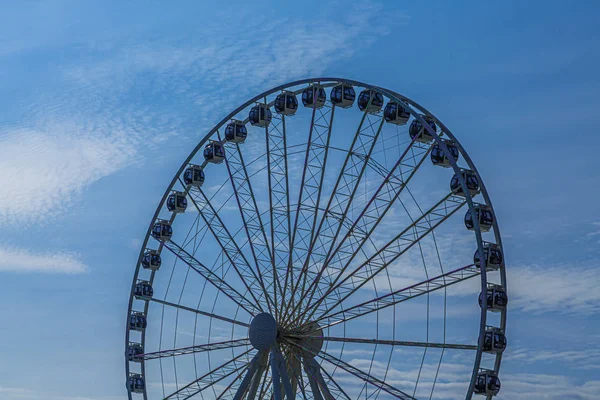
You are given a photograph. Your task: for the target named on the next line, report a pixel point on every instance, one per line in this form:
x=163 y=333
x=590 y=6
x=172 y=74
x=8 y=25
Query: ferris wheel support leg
x=314 y=386
x=262 y=366
x=319 y=377
x=280 y=376
x=254 y=364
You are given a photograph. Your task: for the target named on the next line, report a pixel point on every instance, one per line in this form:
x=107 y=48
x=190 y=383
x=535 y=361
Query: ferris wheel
x=318 y=251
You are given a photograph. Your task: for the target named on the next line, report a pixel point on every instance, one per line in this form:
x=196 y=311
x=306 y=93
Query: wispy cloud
x=20 y=260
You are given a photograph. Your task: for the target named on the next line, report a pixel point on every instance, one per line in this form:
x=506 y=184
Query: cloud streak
x=20 y=260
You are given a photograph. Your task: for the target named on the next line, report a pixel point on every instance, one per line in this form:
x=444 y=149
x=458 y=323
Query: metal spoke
x=208 y=379
x=251 y=219
x=358 y=373
x=371 y=215
x=390 y=342
x=398 y=296
x=340 y=392
x=389 y=253
x=211 y=277
x=249 y=277
x=195 y=349
x=279 y=199
x=344 y=190
x=310 y=190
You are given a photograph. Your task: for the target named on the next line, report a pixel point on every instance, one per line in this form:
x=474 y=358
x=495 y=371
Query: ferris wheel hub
x=263 y=331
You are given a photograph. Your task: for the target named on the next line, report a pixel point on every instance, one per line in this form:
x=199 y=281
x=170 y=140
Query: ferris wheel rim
x=394 y=96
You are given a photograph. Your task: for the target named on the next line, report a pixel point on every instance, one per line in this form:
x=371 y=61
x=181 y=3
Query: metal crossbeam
x=199 y=312
x=310 y=191
x=358 y=373
x=250 y=307
x=279 y=199
x=231 y=249
x=343 y=193
x=195 y=349
x=398 y=296
x=209 y=379
x=251 y=220
x=370 y=216
x=411 y=235
x=390 y=342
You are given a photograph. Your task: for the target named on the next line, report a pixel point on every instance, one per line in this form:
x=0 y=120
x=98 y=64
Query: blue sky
x=101 y=102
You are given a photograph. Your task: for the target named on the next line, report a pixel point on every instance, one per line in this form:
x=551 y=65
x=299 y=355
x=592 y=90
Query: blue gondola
x=418 y=132
x=494 y=341
x=482 y=213
x=137 y=321
x=134 y=350
x=314 y=96
x=492 y=255
x=439 y=158
x=143 y=290
x=395 y=113
x=214 y=152
x=286 y=103
x=260 y=115
x=136 y=383
x=162 y=230
x=487 y=383
x=193 y=175
x=370 y=101
x=177 y=202
x=343 y=95
x=470 y=179
x=495 y=298
x=236 y=132
x=151 y=260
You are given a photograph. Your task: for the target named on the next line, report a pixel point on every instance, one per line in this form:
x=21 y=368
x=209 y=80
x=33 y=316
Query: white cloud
x=21 y=260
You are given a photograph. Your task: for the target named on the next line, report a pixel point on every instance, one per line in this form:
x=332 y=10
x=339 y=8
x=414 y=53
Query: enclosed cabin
x=286 y=103
x=134 y=351
x=194 y=176
x=495 y=298
x=395 y=113
x=236 y=132
x=151 y=260
x=471 y=182
x=143 y=290
x=260 y=115
x=419 y=133
x=492 y=256
x=177 y=202
x=136 y=383
x=162 y=230
x=343 y=95
x=214 y=152
x=481 y=213
x=494 y=341
x=487 y=383
x=314 y=96
x=439 y=156
x=137 y=321
x=370 y=101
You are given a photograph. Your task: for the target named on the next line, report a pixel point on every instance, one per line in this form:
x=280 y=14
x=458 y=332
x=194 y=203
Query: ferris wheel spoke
x=343 y=193
x=318 y=385
x=279 y=200
x=391 y=342
x=195 y=349
x=216 y=281
x=371 y=215
x=251 y=279
x=251 y=219
x=399 y=296
x=411 y=235
x=209 y=379
x=378 y=383
x=310 y=191
x=196 y=311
